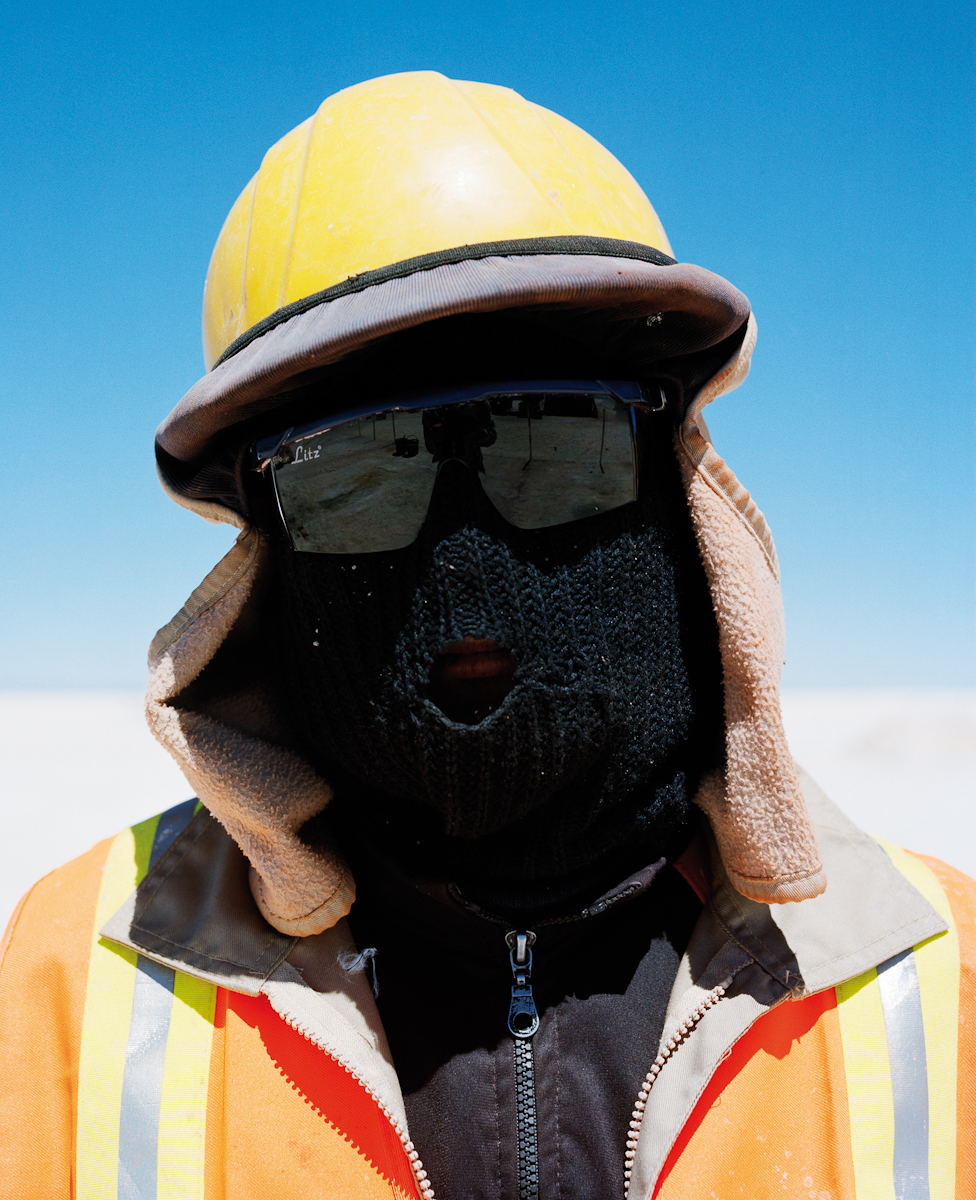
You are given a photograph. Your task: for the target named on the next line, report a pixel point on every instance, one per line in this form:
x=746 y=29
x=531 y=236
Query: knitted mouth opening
x=469 y=680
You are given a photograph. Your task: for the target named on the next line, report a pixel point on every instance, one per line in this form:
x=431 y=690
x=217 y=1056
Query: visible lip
x=470 y=679
x=474 y=658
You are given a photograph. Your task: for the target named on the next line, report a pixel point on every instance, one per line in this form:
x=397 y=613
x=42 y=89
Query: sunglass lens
x=359 y=487
x=563 y=458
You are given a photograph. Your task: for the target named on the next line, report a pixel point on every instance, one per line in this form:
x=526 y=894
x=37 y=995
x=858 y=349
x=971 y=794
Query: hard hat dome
x=413 y=201
x=404 y=166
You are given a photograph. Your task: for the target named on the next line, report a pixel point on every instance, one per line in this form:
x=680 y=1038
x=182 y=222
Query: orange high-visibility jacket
x=159 y=1039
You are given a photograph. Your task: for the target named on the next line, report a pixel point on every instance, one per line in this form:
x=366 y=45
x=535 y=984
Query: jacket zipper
x=674 y=1041
x=523 y=1021
x=420 y=1175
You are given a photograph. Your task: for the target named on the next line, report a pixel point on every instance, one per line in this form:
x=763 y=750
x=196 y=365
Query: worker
x=500 y=880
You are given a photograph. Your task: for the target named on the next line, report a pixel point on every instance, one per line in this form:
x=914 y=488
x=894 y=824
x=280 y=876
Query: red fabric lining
x=329 y=1089
x=779 y=1092
x=694 y=868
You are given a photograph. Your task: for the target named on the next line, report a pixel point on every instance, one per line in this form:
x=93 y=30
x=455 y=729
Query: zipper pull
x=523 y=1017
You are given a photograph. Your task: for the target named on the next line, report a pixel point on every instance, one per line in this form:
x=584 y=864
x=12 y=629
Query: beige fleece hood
x=220 y=723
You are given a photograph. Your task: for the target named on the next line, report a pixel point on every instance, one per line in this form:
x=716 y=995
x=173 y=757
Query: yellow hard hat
x=413 y=199
x=405 y=166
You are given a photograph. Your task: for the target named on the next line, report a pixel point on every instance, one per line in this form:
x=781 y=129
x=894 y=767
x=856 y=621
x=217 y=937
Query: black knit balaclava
x=616 y=708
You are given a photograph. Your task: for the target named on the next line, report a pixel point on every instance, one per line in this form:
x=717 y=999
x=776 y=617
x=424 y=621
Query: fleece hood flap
x=212 y=706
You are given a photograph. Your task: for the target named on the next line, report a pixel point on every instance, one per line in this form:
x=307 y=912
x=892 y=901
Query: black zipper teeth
x=523 y=1021
x=528 y=1131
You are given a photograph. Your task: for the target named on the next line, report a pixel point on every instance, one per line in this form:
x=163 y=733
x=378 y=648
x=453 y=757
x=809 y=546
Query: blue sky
x=820 y=157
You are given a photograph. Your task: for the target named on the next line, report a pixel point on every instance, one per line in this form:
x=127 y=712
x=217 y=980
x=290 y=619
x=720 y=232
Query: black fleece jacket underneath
x=601 y=983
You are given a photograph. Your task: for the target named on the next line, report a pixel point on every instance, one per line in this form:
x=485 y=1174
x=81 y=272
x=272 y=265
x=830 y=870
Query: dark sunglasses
x=544 y=451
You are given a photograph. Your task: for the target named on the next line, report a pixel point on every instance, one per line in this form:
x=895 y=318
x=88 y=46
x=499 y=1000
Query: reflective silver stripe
x=145 y=1055
x=901 y=1004
x=142 y=1083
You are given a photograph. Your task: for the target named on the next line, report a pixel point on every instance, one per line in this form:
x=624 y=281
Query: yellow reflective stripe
x=183 y=1104
x=121 y=1021
x=937 y=964
x=869 y=1095
x=922 y=993
x=108 y=1012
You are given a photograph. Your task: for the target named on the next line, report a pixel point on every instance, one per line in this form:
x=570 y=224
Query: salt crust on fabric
x=774 y=954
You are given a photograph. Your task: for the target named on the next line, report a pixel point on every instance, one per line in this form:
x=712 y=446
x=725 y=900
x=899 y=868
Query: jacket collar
x=868 y=913
x=194 y=911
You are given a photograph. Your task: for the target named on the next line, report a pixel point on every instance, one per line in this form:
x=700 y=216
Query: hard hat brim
x=613 y=279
